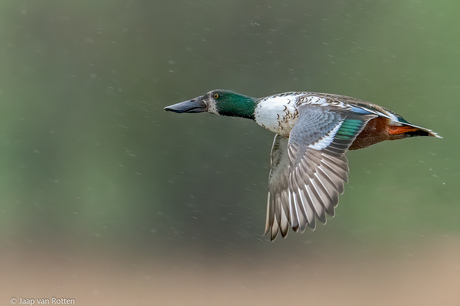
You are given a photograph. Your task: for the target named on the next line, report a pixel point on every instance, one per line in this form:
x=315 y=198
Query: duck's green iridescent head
x=219 y=102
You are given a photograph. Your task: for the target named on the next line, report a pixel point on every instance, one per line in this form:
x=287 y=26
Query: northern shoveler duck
x=313 y=133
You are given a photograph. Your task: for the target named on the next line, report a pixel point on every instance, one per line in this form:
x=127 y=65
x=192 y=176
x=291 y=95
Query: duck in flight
x=313 y=131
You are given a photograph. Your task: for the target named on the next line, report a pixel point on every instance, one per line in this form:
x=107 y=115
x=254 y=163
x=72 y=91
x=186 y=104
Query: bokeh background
x=107 y=199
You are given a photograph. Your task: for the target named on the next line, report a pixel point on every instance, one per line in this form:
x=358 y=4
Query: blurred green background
x=106 y=198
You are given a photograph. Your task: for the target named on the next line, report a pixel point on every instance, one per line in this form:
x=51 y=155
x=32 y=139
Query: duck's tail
x=409 y=130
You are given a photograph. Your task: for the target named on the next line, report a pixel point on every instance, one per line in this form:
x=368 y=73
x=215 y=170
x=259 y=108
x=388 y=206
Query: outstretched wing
x=309 y=169
x=278 y=195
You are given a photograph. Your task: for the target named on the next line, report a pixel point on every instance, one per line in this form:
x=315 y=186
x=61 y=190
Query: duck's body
x=279 y=114
x=313 y=133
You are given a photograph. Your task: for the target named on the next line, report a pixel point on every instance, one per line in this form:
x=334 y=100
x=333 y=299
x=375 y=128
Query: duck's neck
x=238 y=106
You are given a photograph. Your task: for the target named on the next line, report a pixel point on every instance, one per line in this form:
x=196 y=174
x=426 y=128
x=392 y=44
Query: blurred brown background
x=106 y=198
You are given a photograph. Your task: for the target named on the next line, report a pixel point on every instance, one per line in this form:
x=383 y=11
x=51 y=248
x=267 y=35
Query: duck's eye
x=215 y=96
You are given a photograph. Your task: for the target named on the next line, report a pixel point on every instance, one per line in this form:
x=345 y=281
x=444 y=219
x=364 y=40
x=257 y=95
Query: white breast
x=277 y=114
